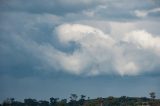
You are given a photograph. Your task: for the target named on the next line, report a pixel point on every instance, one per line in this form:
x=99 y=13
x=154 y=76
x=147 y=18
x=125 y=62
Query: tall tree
x=73 y=100
x=73 y=97
x=82 y=100
x=152 y=95
x=53 y=101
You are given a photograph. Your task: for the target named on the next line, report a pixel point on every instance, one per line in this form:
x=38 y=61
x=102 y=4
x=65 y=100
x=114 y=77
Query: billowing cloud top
x=82 y=37
x=99 y=53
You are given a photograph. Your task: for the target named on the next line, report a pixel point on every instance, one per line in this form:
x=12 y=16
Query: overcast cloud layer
x=82 y=37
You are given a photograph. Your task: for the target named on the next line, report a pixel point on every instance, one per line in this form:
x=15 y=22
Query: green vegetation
x=82 y=101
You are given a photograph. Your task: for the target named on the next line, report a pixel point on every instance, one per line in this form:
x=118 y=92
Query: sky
x=99 y=48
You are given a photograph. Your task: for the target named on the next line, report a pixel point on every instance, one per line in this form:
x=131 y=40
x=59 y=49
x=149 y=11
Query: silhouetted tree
x=53 y=101
x=73 y=100
x=8 y=102
x=152 y=95
x=30 y=102
x=82 y=100
x=73 y=97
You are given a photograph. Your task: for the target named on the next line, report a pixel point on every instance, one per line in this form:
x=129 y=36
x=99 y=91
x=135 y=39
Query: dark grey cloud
x=15 y=31
x=115 y=10
x=59 y=7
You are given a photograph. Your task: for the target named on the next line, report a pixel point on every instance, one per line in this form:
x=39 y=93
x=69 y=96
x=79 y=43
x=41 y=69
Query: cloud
x=145 y=13
x=58 y=7
x=99 y=9
x=92 y=43
x=79 y=49
x=95 y=40
x=97 y=52
x=144 y=40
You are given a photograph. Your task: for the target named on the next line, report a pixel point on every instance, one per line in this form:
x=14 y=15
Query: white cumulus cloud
x=143 y=39
x=97 y=52
x=94 y=52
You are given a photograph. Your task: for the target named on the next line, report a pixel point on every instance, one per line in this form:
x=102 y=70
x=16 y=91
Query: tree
x=82 y=100
x=8 y=102
x=73 y=97
x=73 y=100
x=53 y=101
x=152 y=95
x=30 y=102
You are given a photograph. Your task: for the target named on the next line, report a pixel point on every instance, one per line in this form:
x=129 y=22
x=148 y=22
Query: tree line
x=83 y=101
